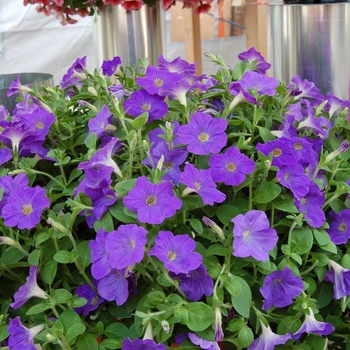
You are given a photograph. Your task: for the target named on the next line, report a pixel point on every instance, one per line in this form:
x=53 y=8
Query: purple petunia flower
x=74 y=74
x=311 y=205
x=311 y=325
x=195 y=283
x=176 y=252
x=340 y=277
x=256 y=61
x=253 y=235
x=99 y=124
x=24 y=207
x=201 y=182
x=339 y=228
x=93 y=300
x=282 y=151
x=99 y=255
x=28 y=290
x=141 y=344
x=157 y=81
x=5 y=155
x=16 y=87
x=204 y=134
x=294 y=178
x=178 y=65
x=141 y=101
x=231 y=167
x=268 y=339
x=110 y=66
x=152 y=202
x=22 y=338
x=9 y=183
x=303 y=150
x=303 y=88
x=280 y=287
x=202 y=343
x=114 y=287
x=126 y=245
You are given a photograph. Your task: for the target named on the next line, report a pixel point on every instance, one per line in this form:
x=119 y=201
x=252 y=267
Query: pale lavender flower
x=311 y=325
x=24 y=207
x=176 y=252
x=114 y=287
x=202 y=343
x=195 y=283
x=152 y=202
x=142 y=344
x=126 y=245
x=21 y=337
x=99 y=124
x=110 y=66
x=219 y=333
x=99 y=255
x=28 y=290
x=157 y=81
x=230 y=167
x=4 y=113
x=335 y=105
x=339 y=228
x=204 y=134
x=16 y=87
x=178 y=65
x=268 y=339
x=300 y=88
x=280 y=287
x=201 y=182
x=311 y=205
x=141 y=101
x=92 y=299
x=74 y=74
x=253 y=235
x=255 y=60
x=340 y=277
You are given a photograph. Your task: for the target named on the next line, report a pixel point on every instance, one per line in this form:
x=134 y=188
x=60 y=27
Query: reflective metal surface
x=313 y=41
x=41 y=79
x=130 y=35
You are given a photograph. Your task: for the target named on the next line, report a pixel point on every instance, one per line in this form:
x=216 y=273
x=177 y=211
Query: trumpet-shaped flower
x=178 y=65
x=300 y=88
x=231 y=167
x=255 y=60
x=92 y=299
x=340 y=277
x=339 y=228
x=152 y=202
x=24 y=207
x=280 y=287
x=21 y=337
x=311 y=325
x=204 y=134
x=176 y=252
x=126 y=245
x=99 y=124
x=201 y=182
x=253 y=235
x=110 y=66
x=268 y=339
x=28 y=290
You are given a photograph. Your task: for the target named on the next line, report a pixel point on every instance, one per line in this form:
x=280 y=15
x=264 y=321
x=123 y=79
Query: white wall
x=33 y=42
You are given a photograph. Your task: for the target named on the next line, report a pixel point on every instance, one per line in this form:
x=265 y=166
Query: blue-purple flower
x=93 y=300
x=339 y=228
x=126 y=245
x=204 y=134
x=28 y=290
x=340 y=277
x=21 y=337
x=24 y=207
x=110 y=66
x=176 y=252
x=255 y=60
x=280 y=287
x=141 y=344
x=152 y=202
x=253 y=235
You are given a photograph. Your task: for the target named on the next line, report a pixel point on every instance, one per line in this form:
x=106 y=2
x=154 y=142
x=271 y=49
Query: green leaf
x=116 y=330
x=3 y=332
x=84 y=256
x=39 y=308
x=286 y=205
x=60 y=296
x=112 y=343
x=322 y=237
x=330 y=247
x=69 y=318
x=117 y=210
x=156 y=297
x=242 y=302
x=289 y=324
x=196 y=225
x=140 y=121
x=34 y=257
x=87 y=342
x=90 y=141
x=63 y=257
x=226 y=212
x=74 y=331
x=301 y=240
x=125 y=186
x=232 y=285
x=48 y=272
x=266 y=134
x=105 y=222
x=200 y=316
x=218 y=250
x=11 y=256
x=245 y=337
x=235 y=324
x=266 y=192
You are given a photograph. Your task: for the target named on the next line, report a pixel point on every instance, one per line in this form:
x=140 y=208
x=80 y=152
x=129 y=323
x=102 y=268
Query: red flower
x=130 y=5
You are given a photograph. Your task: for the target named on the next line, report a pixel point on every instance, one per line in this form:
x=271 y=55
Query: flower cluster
x=65 y=9
x=166 y=209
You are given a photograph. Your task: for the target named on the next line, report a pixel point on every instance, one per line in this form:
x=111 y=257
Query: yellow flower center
x=171 y=255
x=276 y=152
x=203 y=137
x=302 y=201
x=133 y=243
x=151 y=200
x=231 y=167
x=39 y=125
x=246 y=233
x=197 y=185
x=342 y=227
x=146 y=107
x=27 y=209
x=168 y=165
x=159 y=82
x=298 y=146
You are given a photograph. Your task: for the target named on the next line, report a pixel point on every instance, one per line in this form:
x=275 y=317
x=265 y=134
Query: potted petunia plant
x=148 y=207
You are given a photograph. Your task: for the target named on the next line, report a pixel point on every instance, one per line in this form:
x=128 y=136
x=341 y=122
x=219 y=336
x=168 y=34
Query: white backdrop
x=32 y=42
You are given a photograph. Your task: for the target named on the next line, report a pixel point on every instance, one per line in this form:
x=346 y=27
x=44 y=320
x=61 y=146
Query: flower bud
x=7 y=240
x=165 y=325
x=214 y=227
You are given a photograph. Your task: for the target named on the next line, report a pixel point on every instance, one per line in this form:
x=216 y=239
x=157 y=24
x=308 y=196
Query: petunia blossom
x=255 y=60
x=176 y=252
x=280 y=287
x=204 y=134
x=253 y=235
x=110 y=66
x=142 y=344
x=126 y=245
x=339 y=228
x=340 y=277
x=92 y=299
x=152 y=202
x=28 y=290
